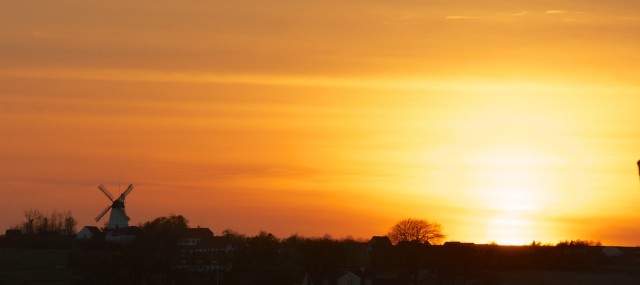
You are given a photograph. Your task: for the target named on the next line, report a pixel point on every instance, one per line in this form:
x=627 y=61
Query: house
x=123 y=235
x=611 y=251
x=90 y=233
x=307 y=280
x=378 y=243
x=337 y=278
x=13 y=233
x=214 y=245
x=200 y=251
x=349 y=278
x=193 y=236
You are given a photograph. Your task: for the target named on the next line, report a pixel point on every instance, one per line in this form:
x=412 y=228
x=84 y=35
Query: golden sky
x=504 y=121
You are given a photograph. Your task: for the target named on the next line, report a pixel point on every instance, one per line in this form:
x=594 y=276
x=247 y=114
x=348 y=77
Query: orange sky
x=502 y=121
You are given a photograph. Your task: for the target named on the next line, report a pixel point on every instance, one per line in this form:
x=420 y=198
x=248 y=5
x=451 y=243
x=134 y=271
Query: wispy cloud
x=519 y=15
x=462 y=17
x=253 y=79
x=564 y=12
x=554 y=12
x=567 y=16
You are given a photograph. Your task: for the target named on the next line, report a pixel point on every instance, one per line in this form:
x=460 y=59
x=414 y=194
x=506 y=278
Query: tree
x=414 y=230
x=166 y=228
x=69 y=222
x=37 y=222
x=579 y=242
x=33 y=218
x=154 y=251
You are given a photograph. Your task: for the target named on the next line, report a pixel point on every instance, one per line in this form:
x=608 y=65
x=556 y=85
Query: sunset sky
x=504 y=121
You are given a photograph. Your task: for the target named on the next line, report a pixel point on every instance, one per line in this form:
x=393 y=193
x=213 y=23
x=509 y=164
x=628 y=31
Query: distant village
x=167 y=251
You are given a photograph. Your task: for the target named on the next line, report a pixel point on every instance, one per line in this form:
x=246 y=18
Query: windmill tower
x=118 y=218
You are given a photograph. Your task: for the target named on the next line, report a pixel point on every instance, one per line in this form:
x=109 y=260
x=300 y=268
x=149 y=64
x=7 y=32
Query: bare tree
x=414 y=230
x=69 y=223
x=33 y=218
x=38 y=222
x=55 y=221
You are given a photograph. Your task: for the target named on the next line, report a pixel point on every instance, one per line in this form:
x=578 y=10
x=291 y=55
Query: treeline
x=259 y=259
x=266 y=259
x=38 y=222
x=153 y=258
x=147 y=260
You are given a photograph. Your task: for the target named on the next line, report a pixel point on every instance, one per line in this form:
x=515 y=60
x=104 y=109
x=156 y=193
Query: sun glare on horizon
x=512 y=186
x=514 y=160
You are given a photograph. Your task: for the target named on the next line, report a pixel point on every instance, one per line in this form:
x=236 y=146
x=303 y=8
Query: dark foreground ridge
x=167 y=252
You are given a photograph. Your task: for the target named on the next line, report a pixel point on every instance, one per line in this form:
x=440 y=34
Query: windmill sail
x=118 y=217
x=105 y=191
x=102 y=213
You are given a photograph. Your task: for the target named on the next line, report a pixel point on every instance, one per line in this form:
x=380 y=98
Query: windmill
x=118 y=218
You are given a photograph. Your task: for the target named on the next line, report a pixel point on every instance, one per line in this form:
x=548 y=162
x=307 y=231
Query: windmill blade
x=103 y=212
x=126 y=192
x=106 y=192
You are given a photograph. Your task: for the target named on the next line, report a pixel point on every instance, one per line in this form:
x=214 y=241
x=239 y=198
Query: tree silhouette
x=37 y=222
x=167 y=229
x=414 y=230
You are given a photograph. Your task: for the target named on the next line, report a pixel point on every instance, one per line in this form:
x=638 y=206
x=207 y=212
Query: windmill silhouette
x=118 y=218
